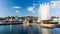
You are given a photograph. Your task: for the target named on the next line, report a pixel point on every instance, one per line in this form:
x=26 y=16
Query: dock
x=43 y=25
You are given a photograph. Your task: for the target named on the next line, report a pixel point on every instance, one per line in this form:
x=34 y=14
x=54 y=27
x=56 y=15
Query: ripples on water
x=20 y=29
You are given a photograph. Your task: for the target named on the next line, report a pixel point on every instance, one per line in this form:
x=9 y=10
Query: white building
x=57 y=19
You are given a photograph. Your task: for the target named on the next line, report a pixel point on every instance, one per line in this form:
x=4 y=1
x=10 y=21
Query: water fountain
x=44 y=12
x=44 y=15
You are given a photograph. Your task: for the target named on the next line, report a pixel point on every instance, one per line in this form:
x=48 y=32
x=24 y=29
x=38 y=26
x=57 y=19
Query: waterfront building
x=54 y=18
x=59 y=20
x=11 y=19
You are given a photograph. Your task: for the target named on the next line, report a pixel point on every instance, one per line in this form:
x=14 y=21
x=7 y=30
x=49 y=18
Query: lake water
x=20 y=29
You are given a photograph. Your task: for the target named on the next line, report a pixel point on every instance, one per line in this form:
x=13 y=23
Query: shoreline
x=11 y=24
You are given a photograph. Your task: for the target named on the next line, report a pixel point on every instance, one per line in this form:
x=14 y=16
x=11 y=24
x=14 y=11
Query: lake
x=20 y=29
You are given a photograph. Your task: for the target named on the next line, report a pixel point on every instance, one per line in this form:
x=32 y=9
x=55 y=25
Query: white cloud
x=17 y=11
x=34 y=4
x=31 y=9
x=55 y=4
x=16 y=7
x=55 y=7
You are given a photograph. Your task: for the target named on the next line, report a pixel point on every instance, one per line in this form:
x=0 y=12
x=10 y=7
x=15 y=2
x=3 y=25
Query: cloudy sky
x=26 y=7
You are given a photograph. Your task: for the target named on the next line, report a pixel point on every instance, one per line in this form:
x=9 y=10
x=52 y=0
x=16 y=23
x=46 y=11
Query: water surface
x=20 y=29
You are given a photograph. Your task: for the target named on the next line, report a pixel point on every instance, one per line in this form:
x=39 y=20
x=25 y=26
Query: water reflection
x=56 y=31
x=10 y=28
x=46 y=31
x=28 y=29
x=20 y=29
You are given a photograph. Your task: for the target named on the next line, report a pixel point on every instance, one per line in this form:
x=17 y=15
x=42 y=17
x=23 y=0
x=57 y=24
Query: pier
x=44 y=25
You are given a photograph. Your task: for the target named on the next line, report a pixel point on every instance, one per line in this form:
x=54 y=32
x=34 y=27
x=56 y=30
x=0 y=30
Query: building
x=11 y=19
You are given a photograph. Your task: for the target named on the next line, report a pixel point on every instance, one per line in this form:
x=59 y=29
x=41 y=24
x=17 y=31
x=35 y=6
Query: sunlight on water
x=10 y=28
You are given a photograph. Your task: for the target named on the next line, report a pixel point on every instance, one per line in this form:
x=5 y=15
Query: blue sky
x=25 y=7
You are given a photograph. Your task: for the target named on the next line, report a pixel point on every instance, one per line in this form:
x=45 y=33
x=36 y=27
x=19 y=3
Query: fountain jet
x=44 y=12
x=44 y=16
